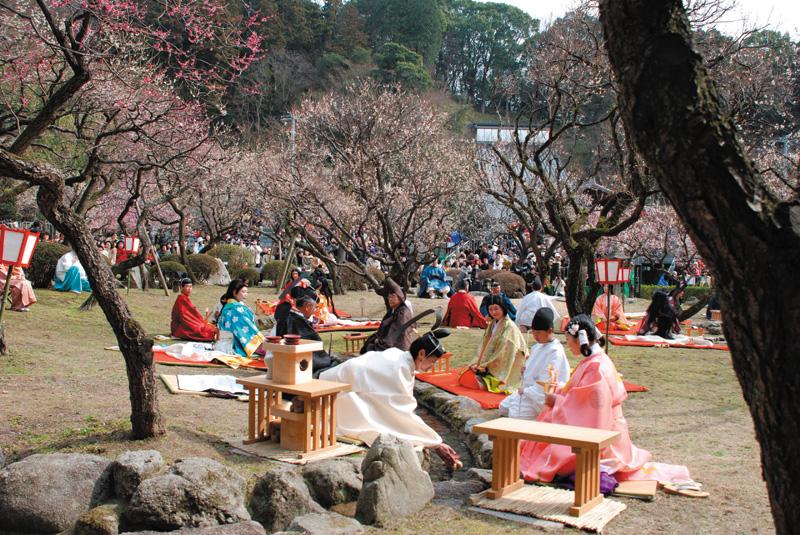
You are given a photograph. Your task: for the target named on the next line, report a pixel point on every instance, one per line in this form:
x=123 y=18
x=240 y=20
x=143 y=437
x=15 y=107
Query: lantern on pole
x=16 y=250
x=610 y=271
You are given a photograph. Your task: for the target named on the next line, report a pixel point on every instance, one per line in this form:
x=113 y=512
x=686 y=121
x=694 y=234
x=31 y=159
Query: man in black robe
x=298 y=322
x=397 y=327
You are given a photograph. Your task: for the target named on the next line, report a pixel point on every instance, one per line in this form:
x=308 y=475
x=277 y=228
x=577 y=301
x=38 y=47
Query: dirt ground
x=61 y=391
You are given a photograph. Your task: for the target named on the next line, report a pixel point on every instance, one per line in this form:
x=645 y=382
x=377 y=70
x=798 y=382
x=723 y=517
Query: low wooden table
x=586 y=442
x=311 y=431
x=354 y=342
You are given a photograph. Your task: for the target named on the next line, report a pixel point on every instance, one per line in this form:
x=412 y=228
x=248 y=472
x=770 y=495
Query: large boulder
x=102 y=520
x=325 y=524
x=241 y=528
x=394 y=483
x=133 y=467
x=47 y=493
x=334 y=481
x=220 y=276
x=279 y=496
x=197 y=492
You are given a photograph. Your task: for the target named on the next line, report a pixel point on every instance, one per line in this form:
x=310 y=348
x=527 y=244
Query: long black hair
x=496 y=300
x=233 y=288
x=583 y=328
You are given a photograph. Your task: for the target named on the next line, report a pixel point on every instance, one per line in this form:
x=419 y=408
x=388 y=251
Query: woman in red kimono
x=462 y=310
x=187 y=322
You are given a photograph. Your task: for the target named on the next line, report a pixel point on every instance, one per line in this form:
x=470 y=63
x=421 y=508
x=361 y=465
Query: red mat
x=640 y=343
x=602 y=326
x=161 y=357
x=633 y=387
x=449 y=381
x=371 y=326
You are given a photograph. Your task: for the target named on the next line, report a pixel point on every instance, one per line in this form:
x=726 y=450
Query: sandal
x=691 y=489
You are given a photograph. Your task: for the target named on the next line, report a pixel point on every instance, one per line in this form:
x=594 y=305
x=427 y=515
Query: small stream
x=452 y=438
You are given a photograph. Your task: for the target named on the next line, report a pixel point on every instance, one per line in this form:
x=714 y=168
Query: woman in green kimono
x=503 y=351
x=238 y=332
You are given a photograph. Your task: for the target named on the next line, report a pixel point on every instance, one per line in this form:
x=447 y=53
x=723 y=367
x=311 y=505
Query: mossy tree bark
x=749 y=238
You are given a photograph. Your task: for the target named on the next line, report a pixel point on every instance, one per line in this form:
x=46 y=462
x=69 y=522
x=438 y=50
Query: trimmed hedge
x=203 y=265
x=173 y=272
x=701 y=292
x=511 y=284
x=351 y=281
x=234 y=256
x=272 y=270
x=251 y=275
x=43 y=263
x=169 y=258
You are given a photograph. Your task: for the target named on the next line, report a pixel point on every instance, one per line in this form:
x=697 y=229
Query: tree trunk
x=749 y=239
x=580 y=266
x=135 y=346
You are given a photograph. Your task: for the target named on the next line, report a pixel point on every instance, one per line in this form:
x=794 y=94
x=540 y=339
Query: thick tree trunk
x=135 y=346
x=581 y=269
x=749 y=240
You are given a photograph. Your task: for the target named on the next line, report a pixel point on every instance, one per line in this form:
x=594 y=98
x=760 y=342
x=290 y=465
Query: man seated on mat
x=382 y=396
x=299 y=322
x=187 y=322
x=70 y=276
x=462 y=310
x=601 y=311
x=531 y=303
x=396 y=327
x=545 y=370
x=496 y=291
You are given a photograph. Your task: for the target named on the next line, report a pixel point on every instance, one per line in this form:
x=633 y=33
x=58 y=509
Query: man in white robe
x=533 y=302
x=382 y=396
x=546 y=355
x=70 y=275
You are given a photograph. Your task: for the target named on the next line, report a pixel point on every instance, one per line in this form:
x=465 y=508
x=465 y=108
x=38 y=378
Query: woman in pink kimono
x=20 y=292
x=592 y=397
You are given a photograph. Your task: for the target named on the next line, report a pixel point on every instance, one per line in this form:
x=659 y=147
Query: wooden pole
x=285 y=272
x=5 y=292
x=158 y=269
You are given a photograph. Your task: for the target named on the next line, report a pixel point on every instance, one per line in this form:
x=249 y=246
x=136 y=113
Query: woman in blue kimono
x=238 y=332
x=433 y=281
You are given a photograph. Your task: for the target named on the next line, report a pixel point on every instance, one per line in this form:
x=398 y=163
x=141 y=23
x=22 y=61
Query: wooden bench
x=354 y=342
x=586 y=442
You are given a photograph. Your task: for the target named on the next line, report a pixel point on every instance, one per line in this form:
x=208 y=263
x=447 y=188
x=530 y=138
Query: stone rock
x=2 y=459
x=472 y=422
x=481 y=474
x=220 y=276
x=197 y=492
x=455 y=493
x=241 y=528
x=394 y=483
x=279 y=496
x=47 y=493
x=325 y=524
x=102 y=520
x=334 y=481
x=133 y=467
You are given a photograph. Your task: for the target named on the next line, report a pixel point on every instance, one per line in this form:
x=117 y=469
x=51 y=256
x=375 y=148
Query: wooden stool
x=354 y=342
x=442 y=363
x=308 y=432
x=716 y=315
x=586 y=443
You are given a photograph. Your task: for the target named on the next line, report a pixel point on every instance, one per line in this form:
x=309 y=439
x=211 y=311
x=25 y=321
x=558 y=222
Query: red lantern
x=17 y=246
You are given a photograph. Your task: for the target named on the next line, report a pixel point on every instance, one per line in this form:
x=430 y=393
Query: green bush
x=43 y=264
x=173 y=272
x=646 y=291
x=202 y=265
x=169 y=258
x=353 y=282
x=251 y=275
x=511 y=284
x=235 y=257
x=272 y=271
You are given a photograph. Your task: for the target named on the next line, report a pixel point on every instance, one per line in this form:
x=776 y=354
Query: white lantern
x=131 y=244
x=17 y=246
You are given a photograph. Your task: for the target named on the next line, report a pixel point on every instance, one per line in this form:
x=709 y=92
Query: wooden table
x=311 y=431
x=586 y=442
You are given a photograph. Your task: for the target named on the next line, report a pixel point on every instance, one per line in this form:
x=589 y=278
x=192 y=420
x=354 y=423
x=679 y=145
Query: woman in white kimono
x=382 y=396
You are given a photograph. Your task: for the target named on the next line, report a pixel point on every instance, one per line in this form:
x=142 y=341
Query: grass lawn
x=60 y=391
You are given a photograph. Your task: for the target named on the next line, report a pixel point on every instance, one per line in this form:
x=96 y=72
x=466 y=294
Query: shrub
x=272 y=271
x=169 y=258
x=511 y=284
x=202 y=265
x=353 y=282
x=173 y=273
x=43 y=264
x=646 y=291
x=251 y=275
x=235 y=257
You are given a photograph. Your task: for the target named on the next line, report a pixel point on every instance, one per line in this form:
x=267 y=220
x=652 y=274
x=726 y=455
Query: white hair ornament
x=583 y=338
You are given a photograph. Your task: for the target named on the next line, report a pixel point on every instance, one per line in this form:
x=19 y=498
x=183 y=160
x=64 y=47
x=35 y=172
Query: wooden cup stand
x=309 y=432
